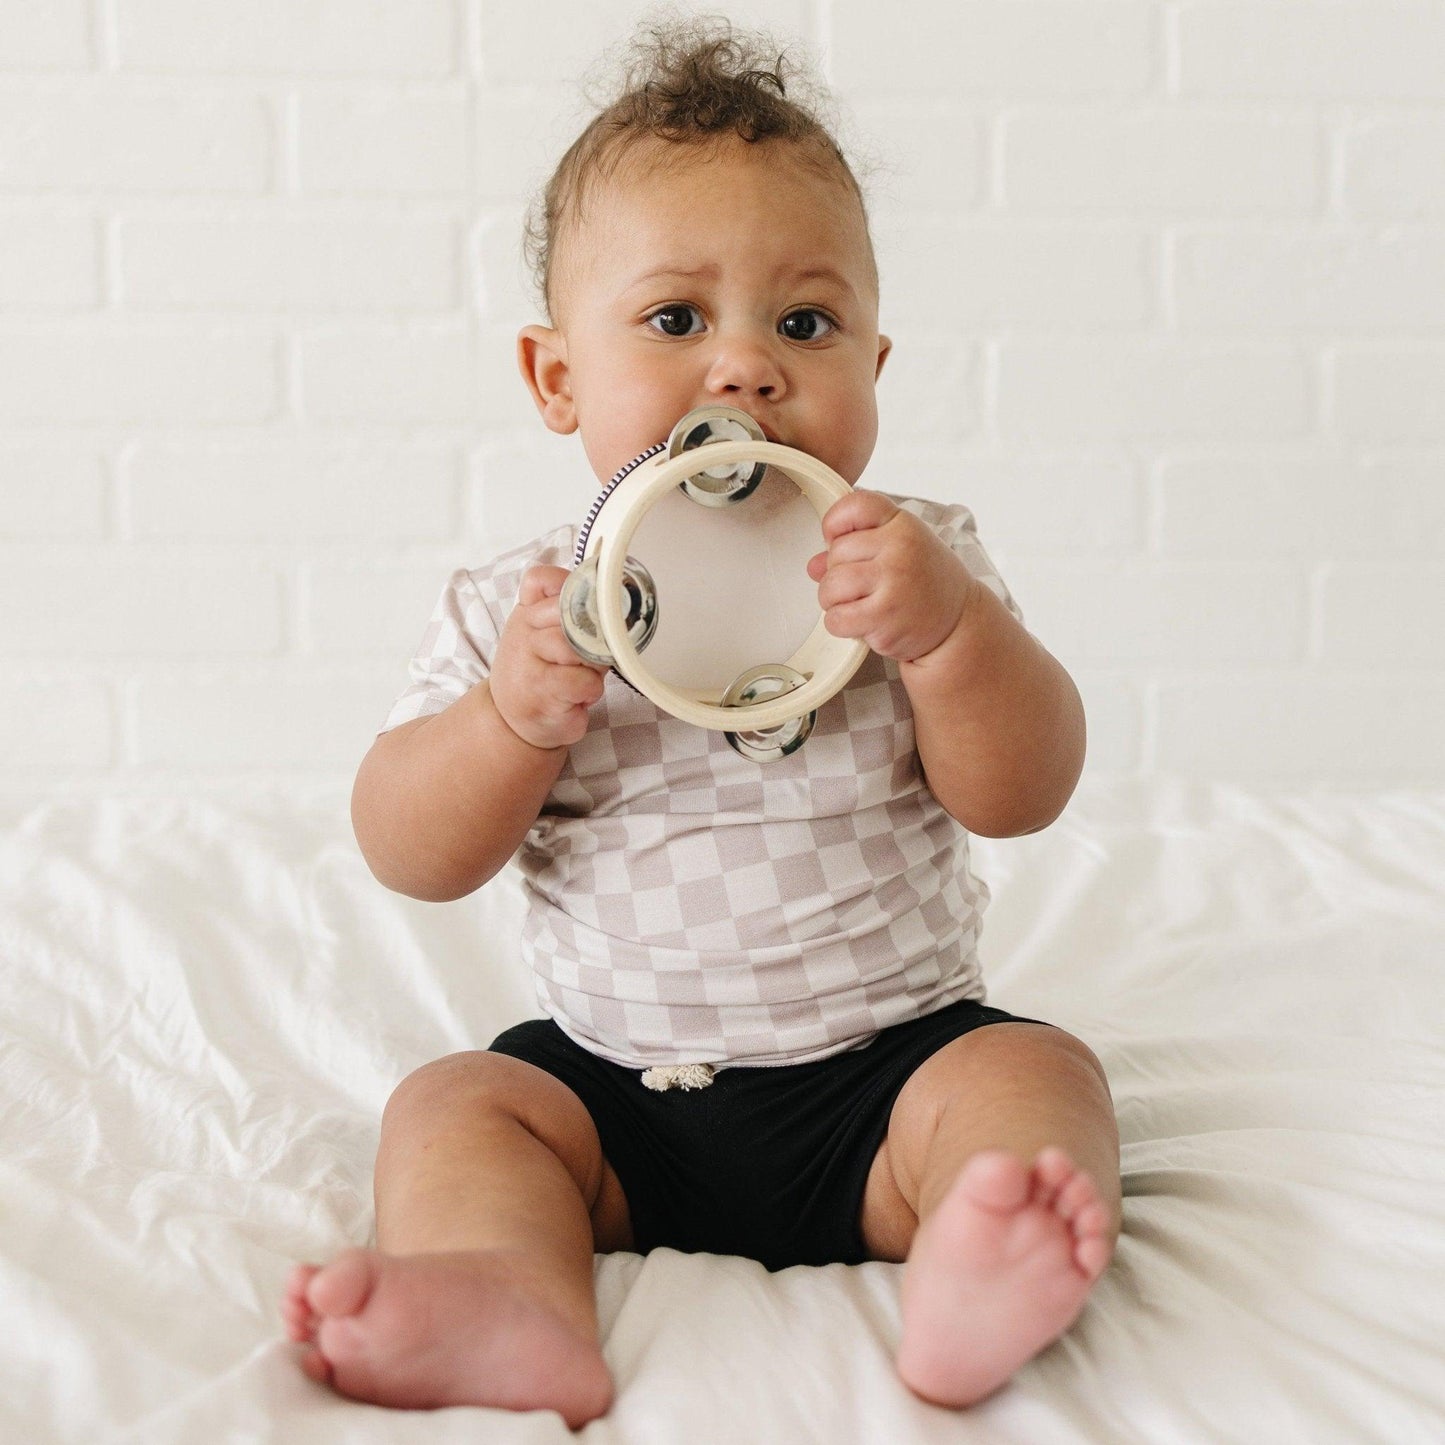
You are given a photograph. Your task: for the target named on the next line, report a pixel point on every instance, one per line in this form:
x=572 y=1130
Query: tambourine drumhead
x=735 y=581
x=732 y=586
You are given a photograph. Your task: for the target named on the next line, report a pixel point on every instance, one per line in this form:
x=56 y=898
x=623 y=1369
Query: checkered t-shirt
x=687 y=905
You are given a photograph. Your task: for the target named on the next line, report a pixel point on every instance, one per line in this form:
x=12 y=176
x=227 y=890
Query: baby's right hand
x=540 y=686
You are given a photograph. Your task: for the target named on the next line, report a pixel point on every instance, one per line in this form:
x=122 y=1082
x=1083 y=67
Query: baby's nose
x=747 y=366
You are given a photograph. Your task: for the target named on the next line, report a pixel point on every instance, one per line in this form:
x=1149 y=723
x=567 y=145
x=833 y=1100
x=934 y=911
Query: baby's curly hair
x=691 y=81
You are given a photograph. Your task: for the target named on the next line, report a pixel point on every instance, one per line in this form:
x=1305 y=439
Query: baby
x=806 y=927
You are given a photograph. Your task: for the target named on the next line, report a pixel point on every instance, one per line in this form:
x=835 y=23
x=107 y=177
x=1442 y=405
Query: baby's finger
x=849 y=619
x=545 y=613
x=579 y=686
x=855 y=513
x=857 y=546
x=540 y=582
x=550 y=643
x=846 y=584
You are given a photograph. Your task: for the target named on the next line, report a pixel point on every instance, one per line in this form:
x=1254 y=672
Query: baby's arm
x=998 y=721
x=442 y=802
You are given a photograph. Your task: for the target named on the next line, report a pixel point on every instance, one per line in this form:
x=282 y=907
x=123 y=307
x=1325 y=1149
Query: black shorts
x=769 y=1163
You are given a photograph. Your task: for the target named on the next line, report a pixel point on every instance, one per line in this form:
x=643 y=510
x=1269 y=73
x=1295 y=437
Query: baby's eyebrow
x=825 y=273
x=693 y=273
x=668 y=271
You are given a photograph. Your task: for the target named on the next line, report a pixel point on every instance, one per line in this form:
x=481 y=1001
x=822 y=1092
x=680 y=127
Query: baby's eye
x=805 y=325
x=675 y=320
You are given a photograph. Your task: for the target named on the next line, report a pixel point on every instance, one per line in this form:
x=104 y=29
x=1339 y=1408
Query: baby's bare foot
x=999 y=1269
x=429 y=1330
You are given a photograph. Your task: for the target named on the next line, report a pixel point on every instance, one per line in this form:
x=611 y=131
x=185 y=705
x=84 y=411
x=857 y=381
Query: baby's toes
x=316 y=1365
x=995 y=1180
x=301 y=1275
x=1077 y=1195
x=1089 y=1223
x=1053 y=1170
x=300 y=1319
x=344 y=1285
x=1074 y=1197
x=1093 y=1250
x=300 y=1324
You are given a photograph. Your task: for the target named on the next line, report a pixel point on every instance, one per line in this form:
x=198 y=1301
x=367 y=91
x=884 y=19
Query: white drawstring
x=678 y=1076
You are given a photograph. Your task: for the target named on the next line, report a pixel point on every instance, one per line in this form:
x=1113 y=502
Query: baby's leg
x=999 y=1183
x=491 y=1193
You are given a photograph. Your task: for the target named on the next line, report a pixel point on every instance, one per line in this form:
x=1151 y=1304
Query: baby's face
x=738 y=275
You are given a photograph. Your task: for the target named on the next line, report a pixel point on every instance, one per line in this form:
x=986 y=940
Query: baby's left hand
x=887 y=579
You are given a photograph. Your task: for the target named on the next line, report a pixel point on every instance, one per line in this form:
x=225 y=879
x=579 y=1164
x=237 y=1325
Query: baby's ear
x=885 y=345
x=542 y=360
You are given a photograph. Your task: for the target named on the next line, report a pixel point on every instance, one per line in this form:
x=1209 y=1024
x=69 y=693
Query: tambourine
x=706 y=569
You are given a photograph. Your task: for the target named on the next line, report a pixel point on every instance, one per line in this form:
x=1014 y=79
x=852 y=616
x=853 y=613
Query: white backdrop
x=1166 y=283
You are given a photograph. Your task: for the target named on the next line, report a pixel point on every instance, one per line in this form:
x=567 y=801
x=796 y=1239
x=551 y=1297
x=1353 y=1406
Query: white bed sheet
x=206 y=1004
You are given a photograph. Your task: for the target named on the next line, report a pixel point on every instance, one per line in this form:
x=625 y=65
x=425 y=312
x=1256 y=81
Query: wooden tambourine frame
x=825 y=661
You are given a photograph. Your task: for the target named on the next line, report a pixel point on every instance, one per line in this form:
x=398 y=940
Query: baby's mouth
x=769 y=434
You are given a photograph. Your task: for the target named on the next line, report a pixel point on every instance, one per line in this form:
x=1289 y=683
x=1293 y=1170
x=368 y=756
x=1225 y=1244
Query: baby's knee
x=467 y=1092
x=1089 y=1061
x=475 y=1082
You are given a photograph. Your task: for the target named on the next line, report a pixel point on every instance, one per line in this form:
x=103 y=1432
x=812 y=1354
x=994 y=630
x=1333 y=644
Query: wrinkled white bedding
x=204 y=1005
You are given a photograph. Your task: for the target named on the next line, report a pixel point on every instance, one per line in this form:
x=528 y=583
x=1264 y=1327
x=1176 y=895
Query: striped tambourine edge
x=586 y=527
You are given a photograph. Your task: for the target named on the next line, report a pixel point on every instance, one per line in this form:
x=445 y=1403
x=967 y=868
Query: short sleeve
x=956 y=526
x=453 y=656
x=460 y=639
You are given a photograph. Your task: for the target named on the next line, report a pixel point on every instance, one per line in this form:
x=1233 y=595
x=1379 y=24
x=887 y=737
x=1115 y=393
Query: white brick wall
x=1166 y=281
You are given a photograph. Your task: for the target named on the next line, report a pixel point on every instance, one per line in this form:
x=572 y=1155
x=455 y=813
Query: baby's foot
x=999 y=1269
x=429 y=1330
